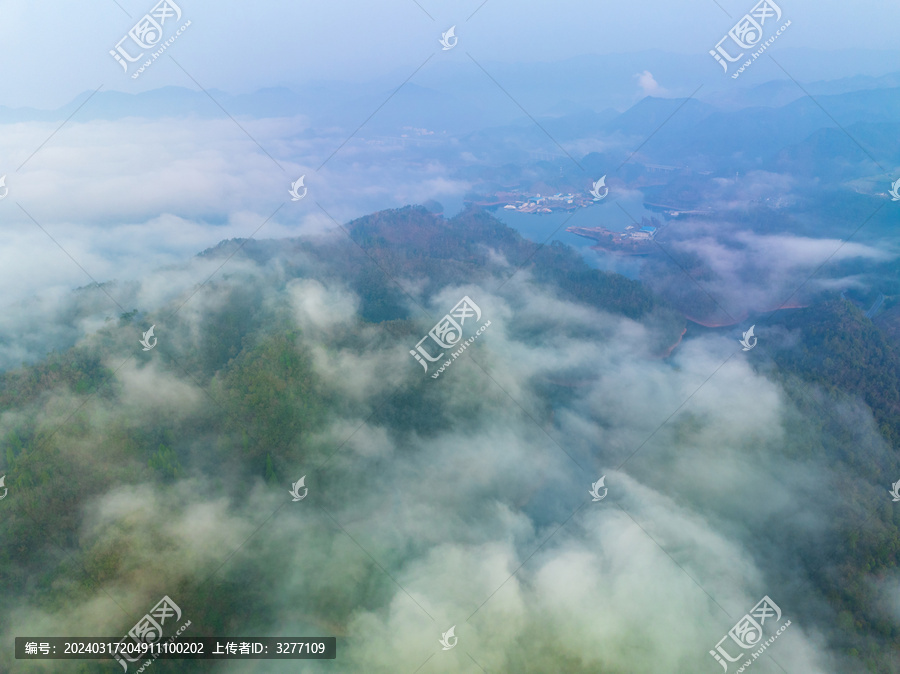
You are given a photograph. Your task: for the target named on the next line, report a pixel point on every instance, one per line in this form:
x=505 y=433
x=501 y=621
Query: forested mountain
x=843 y=352
x=235 y=397
x=833 y=358
x=257 y=368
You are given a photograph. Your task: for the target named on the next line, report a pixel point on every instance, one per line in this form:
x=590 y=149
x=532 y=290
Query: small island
x=633 y=240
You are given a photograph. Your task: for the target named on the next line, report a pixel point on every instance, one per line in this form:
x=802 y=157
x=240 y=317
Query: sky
x=53 y=55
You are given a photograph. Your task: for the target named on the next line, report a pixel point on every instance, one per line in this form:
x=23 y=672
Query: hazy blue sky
x=53 y=52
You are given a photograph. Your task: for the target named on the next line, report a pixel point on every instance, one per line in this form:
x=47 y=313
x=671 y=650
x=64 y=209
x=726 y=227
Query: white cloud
x=649 y=85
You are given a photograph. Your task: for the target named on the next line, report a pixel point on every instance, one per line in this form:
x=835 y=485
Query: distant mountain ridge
x=546 y=89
